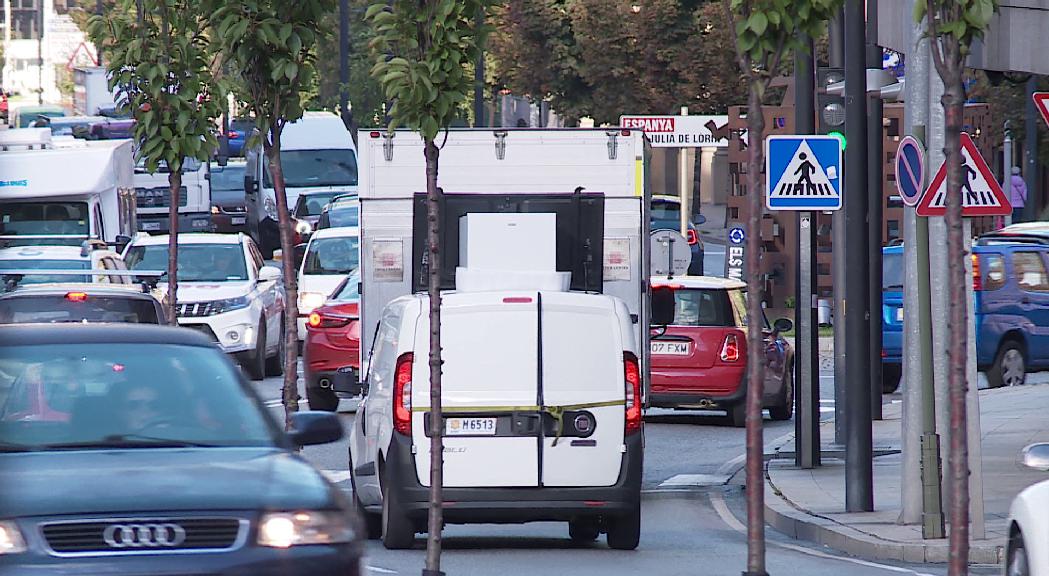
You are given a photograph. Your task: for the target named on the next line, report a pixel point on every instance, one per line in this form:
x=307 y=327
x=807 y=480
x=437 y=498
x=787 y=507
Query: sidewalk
x=810 y=504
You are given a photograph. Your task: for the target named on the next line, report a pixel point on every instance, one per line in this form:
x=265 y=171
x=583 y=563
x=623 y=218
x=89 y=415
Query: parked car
x=308 y=207
x=332 y=348
x=239 y=131
x=344 y=210
x=228 y=212
x=665 y=214
x=330 y=255
x=1025 y=552
x=136 y=449
x=700 y=360
x=226 y=292
x=81 y=303
x=1011 y=285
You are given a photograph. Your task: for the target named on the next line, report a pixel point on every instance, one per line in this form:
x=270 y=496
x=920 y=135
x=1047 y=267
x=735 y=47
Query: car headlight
x=286 y=529
x=270 y=206
x=310 y=301
x=229 y=304
x=11 y=541
x=215 y=210
x=303 y=227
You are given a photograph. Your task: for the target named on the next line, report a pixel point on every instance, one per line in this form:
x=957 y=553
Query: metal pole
x=807 y=405
x=40 y=57
x=682 y=183
x=1034 y=192
x=98 y=48
x=1007 y=162
x=479 y=119
x=859 y=493
x=838 y=264
x=875 y=204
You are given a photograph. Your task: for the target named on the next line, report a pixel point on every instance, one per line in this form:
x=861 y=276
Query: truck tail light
x=730 y=349
x=402 y=394
x=693 y=238
x=632 y=373
x=977 y=280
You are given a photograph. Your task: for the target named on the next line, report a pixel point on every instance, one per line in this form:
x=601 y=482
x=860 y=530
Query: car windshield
x=46 y=219
x=228 y=177
x=125 y=395
x=892 y=272
x=77 y=307
x=332 y=256
x=702 y=307
x=347 y=291
x=196 y=262
x=47 y=265
x=343 y=215
x=312 y=204
x=303 y=168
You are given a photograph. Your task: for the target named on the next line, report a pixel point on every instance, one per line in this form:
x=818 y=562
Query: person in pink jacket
x=1017 y=194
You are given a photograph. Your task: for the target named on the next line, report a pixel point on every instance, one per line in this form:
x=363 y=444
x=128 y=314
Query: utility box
x=508 y=241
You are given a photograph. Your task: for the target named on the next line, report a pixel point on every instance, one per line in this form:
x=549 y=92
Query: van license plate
x=469 y=426
x=238 y=220
x=150 y=226
x=670 y=348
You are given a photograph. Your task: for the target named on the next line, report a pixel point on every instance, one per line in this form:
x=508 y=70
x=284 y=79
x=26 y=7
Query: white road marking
x=336 y=476
x=695 y=480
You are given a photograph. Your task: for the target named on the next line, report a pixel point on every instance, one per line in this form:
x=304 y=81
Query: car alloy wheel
x=1013 y=369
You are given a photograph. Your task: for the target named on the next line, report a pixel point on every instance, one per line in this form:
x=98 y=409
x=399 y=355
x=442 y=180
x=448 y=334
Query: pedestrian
x=1017 y=194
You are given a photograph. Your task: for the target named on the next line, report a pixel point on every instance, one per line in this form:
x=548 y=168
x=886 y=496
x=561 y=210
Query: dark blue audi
x=136 y=449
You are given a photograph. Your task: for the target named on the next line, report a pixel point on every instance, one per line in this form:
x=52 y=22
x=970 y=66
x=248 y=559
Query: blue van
x=1011 y=284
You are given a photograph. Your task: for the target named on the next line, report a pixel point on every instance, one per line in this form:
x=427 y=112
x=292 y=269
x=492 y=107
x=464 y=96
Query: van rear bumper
x=514 y=505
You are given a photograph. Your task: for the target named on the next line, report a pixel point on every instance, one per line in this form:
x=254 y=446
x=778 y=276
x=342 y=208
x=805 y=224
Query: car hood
x=208 y=291
x=159 y=479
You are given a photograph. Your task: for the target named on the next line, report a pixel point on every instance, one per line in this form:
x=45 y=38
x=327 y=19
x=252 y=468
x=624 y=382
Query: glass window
x=665 y=215
x=332 y=256
x=1030 y=272
x=700 y=307
x=892 y=271
x=738 y=298
x=196 y=262
x=303 y=168
x=347 y=290
x=55 y=309
x=312 y=204
x=256 y=257
x=189 y=164
x=994 y=275
x=83 y=396
x=44 y=218
x=228 y=178
x=47 y=265
x=343 y=215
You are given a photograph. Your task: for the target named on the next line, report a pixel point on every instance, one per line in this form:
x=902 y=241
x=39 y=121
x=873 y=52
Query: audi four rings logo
x=144 y=535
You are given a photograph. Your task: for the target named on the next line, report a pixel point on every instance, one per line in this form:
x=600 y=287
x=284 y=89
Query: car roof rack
x=148 y=279
x=1009 y=238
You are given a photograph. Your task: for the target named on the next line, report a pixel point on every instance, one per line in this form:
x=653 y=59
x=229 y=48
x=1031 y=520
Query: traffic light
x=831 y=117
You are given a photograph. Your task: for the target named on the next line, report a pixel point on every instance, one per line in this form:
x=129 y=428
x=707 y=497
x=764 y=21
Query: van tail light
x=632 y=372
x=693 y=238
x=402 y=394
x=977 y=280
x=730 y=349
x=76 y=296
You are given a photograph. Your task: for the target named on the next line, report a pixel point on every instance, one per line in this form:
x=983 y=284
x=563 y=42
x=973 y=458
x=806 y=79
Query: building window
x=893 y=228
x=733 y=213
x=894 y=127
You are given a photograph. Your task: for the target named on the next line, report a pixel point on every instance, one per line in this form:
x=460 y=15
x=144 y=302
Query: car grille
x=144 y=535
x=196 y=309
x=158 y=197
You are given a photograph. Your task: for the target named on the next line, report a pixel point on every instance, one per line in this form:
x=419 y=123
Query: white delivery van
x=63 y=190
x=317 y=155
x=544 y=331
x=153 y=198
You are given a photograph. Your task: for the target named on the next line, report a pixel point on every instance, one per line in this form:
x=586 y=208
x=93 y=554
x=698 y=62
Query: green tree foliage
x=366 y=97
x=270 y=49
x=160 y=61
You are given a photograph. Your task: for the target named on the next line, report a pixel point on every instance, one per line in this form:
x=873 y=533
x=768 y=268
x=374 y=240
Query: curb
x=784 y=516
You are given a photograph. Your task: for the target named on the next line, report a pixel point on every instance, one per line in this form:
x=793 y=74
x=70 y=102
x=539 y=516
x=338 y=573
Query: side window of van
x=100 y=226
x=383 y=358
x=1030 y=272
x=994 y=278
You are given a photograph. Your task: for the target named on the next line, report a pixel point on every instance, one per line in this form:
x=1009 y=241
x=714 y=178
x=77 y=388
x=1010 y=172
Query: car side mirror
x=1036 y=456
x=250 y=186
x=783 y=325
x=663 y=305
x=699 y=219
x=270 y=274
x=314 y=427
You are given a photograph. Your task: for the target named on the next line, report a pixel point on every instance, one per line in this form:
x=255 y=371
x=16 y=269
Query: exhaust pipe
x=324 y=383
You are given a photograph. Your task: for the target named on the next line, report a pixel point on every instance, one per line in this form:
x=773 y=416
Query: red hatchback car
x=699 y=361
x=332 y=347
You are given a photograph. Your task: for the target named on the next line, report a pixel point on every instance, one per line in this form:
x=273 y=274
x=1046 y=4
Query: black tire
x=624 y=532
x=890 y=377
x=255 y=363
x=785 y=409
x=322 y=399
x=737 y=413
x=1016 y=563
x=398 y=531
x=372 y=522
x=275 y=363
x=584 y=530
x=1010 y=366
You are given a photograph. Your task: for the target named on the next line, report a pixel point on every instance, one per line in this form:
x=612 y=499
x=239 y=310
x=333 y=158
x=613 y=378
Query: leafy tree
x=766 y=32
x=160 y=60
x=366 y=97
x=270 y=47
x=423 y=50
x=952 y=26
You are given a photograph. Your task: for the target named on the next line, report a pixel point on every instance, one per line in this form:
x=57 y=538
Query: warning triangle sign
x=981 y=194
x=805 y=178
x=1041 y=102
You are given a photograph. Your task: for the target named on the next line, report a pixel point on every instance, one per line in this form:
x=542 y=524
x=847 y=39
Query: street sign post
x=981 y=193
x=1041 y=103
x=736 y=252
x=910 y=170
x=681 y=131
x=803 y=173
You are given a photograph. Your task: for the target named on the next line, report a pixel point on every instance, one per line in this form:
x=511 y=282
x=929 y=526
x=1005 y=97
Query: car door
x=1032 y=278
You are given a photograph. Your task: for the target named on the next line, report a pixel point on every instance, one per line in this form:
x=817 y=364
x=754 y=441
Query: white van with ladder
x=544 y=330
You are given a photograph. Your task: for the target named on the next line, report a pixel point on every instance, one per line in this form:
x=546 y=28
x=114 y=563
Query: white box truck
x=63 y=190
x=545 y=327
x=153 y=198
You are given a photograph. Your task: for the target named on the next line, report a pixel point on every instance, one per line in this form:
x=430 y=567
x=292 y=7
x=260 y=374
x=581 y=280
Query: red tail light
x=977 y=279
x=318 y=320
x=402 y=394
x=632 y=373
x=76 y=296
x=693 y=238
x=730 y=349
x=232 y=134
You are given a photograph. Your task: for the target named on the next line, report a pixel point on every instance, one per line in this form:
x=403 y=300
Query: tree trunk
x=290 y=392
x=436 y=520
x=174 y=191
x=958 y=497
x=755 y=337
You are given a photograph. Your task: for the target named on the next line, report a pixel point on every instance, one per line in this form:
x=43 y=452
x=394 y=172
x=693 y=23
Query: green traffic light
x=839 y=136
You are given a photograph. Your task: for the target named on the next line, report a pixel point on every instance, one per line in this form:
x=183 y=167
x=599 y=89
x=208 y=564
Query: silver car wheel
x=1013 y=369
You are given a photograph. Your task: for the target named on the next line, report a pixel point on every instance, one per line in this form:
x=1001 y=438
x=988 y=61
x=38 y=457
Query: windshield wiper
x=11 y=447
x=132 y=441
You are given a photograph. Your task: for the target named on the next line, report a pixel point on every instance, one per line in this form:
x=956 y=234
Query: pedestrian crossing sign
x=981 y=193
x=803 y=173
